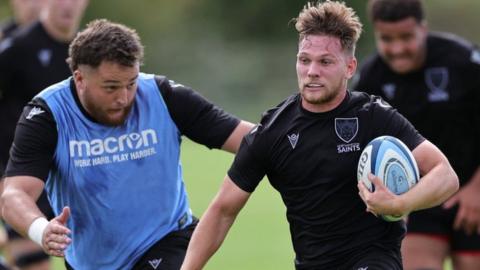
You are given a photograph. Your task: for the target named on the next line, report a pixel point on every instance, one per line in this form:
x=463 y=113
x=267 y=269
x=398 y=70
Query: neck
x=58 y=33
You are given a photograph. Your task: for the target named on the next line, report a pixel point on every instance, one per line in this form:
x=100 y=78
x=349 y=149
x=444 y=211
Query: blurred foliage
x=241 y=54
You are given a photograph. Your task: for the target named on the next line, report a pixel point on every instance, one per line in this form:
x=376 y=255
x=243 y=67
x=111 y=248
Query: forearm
x=19 y=209
x=207 y=238
x=432 y=189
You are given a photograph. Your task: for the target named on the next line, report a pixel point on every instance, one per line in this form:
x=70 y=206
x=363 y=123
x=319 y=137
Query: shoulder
x=273 y=120
x=372 y=67
x=275 y=116
x=18 y=40
x=452 y=48
x=365 y=102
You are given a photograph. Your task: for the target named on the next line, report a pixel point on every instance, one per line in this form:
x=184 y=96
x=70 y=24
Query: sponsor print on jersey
x=108 y=150
x=44 y=56
x=293 y=139
x=437 y=81
x=389 y=90
x=346 y=129
x=155 y=263
x=34 y=111
x=475 y=56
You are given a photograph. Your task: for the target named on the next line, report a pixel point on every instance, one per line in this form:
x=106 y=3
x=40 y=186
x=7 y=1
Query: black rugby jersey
x=442 y=100
x=195 y=116
x=311 y=159
x=30 y=60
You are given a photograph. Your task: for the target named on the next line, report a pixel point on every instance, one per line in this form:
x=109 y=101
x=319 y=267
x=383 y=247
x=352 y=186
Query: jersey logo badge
x=346 y=128
x=293 y=139
x=475 y=57
x=45 y=55
x=389 y=90
x=437 y=81
x=33 y=112
x=154 y=263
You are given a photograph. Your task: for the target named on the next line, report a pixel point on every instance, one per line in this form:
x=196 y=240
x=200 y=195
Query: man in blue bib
x=105 y=144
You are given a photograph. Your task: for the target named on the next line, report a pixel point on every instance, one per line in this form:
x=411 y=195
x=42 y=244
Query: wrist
x=36 y=230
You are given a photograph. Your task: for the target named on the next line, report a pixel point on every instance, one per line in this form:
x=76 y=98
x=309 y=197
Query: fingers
x=451 y=202
x=55 y=239
x=63 y=217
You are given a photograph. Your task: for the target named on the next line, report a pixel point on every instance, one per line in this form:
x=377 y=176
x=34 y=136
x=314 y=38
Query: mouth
x=313 y=86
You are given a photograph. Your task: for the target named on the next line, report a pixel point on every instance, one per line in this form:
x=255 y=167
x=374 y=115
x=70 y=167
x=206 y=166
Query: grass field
x=259 y=239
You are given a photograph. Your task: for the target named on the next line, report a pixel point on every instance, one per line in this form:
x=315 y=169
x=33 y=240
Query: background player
x=433 y=79
x=31 y=59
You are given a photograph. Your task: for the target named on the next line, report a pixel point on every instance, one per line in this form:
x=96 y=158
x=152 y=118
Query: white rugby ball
x=389 y=159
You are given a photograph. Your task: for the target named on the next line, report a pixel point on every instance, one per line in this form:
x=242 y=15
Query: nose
x=397 y=47
x=121 y=98
x=313 y=70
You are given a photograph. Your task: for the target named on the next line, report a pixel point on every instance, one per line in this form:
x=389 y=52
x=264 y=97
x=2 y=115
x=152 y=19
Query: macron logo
x=33 y=112
x=113 y=145
x=155 y=263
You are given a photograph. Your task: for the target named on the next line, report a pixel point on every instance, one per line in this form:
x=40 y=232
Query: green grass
x=259 y=239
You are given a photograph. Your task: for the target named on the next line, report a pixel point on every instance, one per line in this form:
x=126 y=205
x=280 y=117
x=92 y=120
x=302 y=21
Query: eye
x=111 y=88
x=326 y=61
x=303 y=60
x=131 y=85
x=386 y=39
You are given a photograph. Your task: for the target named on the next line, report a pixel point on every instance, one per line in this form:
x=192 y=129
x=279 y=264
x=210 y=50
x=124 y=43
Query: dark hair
x=395 y=10
x=103 y=40
x=332 y=19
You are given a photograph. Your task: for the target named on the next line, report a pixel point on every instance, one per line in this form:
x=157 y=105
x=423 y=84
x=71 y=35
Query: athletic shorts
x=438 y=223
x=374 y=257
x=167 y=254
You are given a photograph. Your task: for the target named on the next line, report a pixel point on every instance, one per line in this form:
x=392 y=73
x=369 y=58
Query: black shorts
x=438 y=223
x=374 y=257
x=166 y=254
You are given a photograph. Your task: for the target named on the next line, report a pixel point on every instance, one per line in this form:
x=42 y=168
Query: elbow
x=4 y=202
x=453 y=183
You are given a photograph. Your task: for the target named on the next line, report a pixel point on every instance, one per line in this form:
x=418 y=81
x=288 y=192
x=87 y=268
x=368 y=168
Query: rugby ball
x=389 y=159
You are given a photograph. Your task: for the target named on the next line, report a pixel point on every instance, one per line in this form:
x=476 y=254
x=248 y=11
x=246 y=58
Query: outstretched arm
x=21 y=212
x=214 y=225
x=233 y=142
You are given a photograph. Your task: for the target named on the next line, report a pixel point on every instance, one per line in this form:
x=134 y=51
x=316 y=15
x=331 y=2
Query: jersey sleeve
x=249 y=166
x=388 y=121
x=195 y=116
x=34 y=144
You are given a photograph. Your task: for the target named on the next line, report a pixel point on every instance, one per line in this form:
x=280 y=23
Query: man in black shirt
x=301 y=147
x=433 y=79
x=24 y=13
x=31 y=59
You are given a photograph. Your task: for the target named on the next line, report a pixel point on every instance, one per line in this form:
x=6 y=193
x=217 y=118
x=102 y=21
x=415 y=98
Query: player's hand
x=381 y=201
x=55 y=237
x=468 y=214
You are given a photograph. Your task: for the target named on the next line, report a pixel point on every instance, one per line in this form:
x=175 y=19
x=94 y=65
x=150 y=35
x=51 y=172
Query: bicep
x=427 y=156
x=30 y=185
x=233 y=142
x=230 y=198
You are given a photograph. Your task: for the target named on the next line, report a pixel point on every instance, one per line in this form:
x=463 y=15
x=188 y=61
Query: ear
x=79 y=79
x=351 y=67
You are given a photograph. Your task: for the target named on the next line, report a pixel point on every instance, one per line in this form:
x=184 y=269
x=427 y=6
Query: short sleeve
x=250 y=163
x=195 y=116
x=34 y=144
